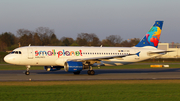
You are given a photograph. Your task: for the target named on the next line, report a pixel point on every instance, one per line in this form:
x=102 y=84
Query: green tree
x=37 y=40
x=130 y=42
x=134 y=41
x=24 y=40
x=53 y=40
x=7 y=38
x=3 y=46
x=25 y=37
x=85 y=39
x=105 y=42
x=74 y=44
x=45 y=34
x=66 y=41
x=114 y=40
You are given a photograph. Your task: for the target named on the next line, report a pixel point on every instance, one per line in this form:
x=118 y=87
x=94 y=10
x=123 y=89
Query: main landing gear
x=27 y=70
x=90 y=71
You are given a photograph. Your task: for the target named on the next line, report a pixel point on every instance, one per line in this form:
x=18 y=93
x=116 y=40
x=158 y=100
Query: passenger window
x=19 y=52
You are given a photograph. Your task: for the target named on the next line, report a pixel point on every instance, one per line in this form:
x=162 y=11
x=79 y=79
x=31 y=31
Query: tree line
x=43 y=36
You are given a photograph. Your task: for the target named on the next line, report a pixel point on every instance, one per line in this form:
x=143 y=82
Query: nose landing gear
x=27 y=70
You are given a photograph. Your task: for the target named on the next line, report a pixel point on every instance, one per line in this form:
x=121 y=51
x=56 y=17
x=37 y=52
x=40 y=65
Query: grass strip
x=126 y=90
x=91 y=82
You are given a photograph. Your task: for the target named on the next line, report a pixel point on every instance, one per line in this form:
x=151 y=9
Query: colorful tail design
x=153 y=36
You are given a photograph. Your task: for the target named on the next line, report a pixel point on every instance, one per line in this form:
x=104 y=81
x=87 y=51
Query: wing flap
x=101 y=58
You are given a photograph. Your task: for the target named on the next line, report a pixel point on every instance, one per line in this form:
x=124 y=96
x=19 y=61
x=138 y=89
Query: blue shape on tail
x=153 y=36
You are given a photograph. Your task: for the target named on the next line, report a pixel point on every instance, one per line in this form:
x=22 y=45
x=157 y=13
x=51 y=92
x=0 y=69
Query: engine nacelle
x=71 y=66
x=54 y=68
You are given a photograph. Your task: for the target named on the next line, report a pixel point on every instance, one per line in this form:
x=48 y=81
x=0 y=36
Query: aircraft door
x=30 y=53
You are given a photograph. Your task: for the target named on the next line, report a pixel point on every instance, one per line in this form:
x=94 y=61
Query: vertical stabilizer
x=153 y=36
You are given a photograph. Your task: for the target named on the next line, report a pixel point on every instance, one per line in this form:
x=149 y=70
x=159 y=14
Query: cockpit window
x=12 y=52
x=16 y=52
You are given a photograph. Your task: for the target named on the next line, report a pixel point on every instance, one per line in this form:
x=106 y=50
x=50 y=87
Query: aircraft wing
x=101 y=58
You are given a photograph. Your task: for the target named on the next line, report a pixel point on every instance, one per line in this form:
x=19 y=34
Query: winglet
x=138 y=53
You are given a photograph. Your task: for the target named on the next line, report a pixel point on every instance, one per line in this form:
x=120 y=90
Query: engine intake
x=71 y=66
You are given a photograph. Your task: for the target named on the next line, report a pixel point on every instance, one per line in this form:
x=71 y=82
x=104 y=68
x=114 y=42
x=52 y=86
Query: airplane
x=74 y=59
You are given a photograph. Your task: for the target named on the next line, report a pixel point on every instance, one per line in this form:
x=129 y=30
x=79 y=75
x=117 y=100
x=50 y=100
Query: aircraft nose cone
x=12 y=59
x=7 y=58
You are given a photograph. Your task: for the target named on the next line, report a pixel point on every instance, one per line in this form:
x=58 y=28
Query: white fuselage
x=58 y=55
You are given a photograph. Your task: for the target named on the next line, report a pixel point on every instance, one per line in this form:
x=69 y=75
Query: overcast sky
x=127 y=18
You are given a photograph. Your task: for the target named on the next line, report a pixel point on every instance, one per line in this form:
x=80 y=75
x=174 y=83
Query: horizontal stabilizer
x=161 y=52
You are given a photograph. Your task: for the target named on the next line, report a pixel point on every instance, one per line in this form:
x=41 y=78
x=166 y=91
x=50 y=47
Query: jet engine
x=54 y=68
x=72 y=66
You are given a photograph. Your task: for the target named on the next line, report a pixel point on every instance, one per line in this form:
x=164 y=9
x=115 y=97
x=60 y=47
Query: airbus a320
x=75 y=59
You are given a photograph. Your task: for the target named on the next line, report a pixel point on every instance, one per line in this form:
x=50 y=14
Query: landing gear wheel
x=77 y=73
x=27 y=72
x=90 y=72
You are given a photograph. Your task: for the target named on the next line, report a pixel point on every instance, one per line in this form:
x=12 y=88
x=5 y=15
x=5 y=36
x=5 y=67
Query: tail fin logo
x=138 y=53
x=153 y=36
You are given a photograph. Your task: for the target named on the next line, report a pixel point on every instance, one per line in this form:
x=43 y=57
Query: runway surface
x=100 y=74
